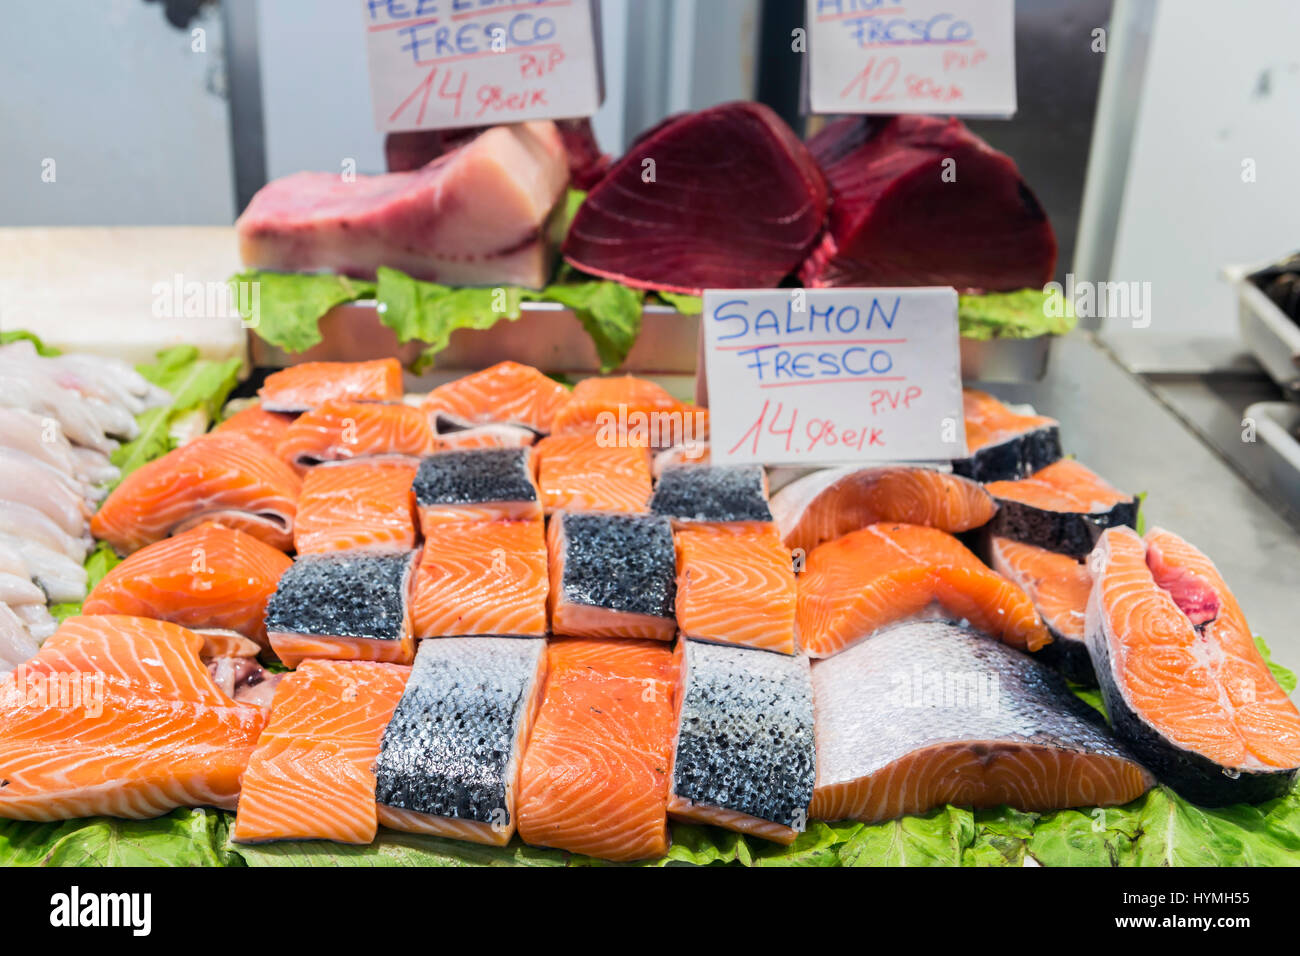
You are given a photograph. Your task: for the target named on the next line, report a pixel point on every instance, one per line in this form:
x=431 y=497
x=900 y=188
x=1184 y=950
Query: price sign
x=912 y=56
x=833 y=376
x=448 y=63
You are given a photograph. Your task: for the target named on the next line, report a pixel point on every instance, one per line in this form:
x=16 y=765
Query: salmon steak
x=340 y=430
x=117 y=716
x=1002 y=444
x=578 y=473
x=507 y=393
x=482 y=577
x=856 y=585
x=482 y=484
x=311 y=776
x=689 y=453
x=595 y=775
x=834 y=501
x=227 y=478
x=365 y=504
x=736 y=585
x=449 y=764
x=1184 y=684
x=344 y=605
x=624 y=410
x=302 y=387
x=712 y=493
x=926 y=714
x=1063 y=508
x=612 y=575
x=208 y=578
x=255 y=422
x=1059 y=586
x=745 y=755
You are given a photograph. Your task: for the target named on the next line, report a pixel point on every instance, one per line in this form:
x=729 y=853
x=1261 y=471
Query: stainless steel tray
x=1276 y=425
x=548 y=336
x=1267 y=331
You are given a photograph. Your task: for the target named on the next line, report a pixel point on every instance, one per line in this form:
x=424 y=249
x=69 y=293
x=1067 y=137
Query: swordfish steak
x=929 y=713
x=476 y=216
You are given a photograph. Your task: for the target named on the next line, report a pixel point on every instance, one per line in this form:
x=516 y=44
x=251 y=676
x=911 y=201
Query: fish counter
x=352 y=625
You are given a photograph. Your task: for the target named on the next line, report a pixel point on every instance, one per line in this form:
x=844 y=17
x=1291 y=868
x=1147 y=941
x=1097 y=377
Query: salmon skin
x=1184 y=685
x=1059 y=586
x=508 y=392
x=595 y=775
x=578 y=473
x=856 y=585
x=834 y=501
x=300 y=388
x=117 y=716
x=476 y=484
x=217 y=477
x=310 y=777
x=1062 y=508
x=365 y=504
x=745 y=754
x=210 y=577
x=449 y=762
x=624 y=410
x=736 y=585
x=344 y=605
x=342 y=430
x=1002 y=444
x=928 y=713
x=612 y=575
x=255 y=422
x=712 y=493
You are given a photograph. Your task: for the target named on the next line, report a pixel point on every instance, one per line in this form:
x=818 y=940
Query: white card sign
x=447 y=63
x=956 y=57
x=833 y=376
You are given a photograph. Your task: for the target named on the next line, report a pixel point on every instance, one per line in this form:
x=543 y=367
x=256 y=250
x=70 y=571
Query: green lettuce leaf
x=1024 y=314
x=290 y=305
x=1284 y=676
x=685 y=304
x=394 y=849
x=181 y=838
x=609 y=311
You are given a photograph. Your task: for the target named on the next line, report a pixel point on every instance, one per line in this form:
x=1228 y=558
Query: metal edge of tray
x=548 y=336
x=1267 y=331
x=1277 y=448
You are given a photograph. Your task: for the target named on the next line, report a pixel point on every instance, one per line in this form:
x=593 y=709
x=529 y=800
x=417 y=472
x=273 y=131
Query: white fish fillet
x=16 y=645
x=27 y=482
x=95 y=469
x=25 y=522
x=28 y=388
x=61 y=578
x=40 y=623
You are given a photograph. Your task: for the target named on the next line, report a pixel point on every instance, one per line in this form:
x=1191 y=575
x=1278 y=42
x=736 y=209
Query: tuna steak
x=476 y=216
x=928 y=713
x=679 y=210
x=920 y=200
x=1183 y=682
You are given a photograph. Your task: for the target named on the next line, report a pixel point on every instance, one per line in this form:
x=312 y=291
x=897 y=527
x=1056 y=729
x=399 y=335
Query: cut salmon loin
x=357 y=505
x=450 y=760
x=342 y=430
x=712 y=493
x=255 y=422
x=117 y=716
x=300 y=388
x=1002 y=444
x=886 y=573
x=578 y=473
x=310 y=777
x=449 y=436
x=1062 y=508
x=736 y=585
x=745 y=756
x=694 y=453
x=927 y=713
x=217 y=477
x=508 y=393
x=630 y=411
x=1184 y=685
x=219 y=642
x=480 y=484
x=834 y=501
x=210 y=577
x=1059 y=586
x=344 y=605
x=595 y=775
x=612 y=575
x=482 y=577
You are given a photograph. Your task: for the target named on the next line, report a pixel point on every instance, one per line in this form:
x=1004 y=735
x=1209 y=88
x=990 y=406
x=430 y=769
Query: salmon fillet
x=630 y=411
x=208 y=577
x=886 y=573
x=577 y=473
x=1063 y=508
x=476 y=485
x=365 y=504
x=217 y=477
x=595 y=775
x=255 y=422
x=117 y=716
x=508 y=392
x=1003 y=444
x=310 y=777
x=340 y=430
x=300 y=388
